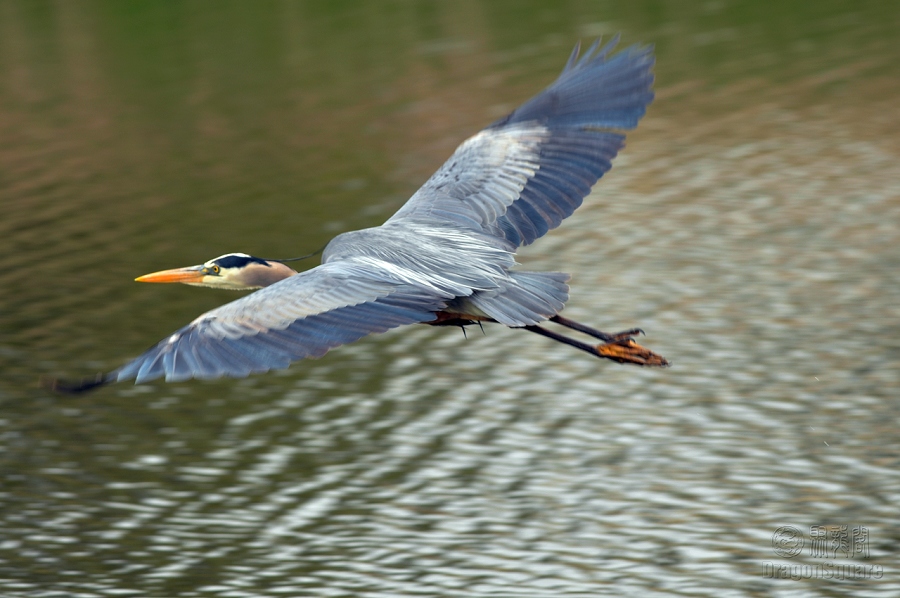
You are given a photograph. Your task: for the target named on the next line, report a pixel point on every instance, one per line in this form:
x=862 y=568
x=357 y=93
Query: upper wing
x=302 y=316
x=524 y=174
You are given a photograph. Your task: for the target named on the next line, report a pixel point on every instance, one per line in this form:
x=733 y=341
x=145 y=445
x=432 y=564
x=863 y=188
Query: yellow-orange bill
x=192 y=274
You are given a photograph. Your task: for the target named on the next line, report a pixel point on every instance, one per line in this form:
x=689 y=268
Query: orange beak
x=187 y=275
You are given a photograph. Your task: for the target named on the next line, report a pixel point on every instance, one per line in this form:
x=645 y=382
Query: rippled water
x=751 y=227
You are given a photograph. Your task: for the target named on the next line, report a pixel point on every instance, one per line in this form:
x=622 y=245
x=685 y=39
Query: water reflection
x=750 y=227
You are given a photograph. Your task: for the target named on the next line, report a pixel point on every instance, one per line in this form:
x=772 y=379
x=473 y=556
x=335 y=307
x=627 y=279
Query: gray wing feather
x=524 y=174
x=302 y=316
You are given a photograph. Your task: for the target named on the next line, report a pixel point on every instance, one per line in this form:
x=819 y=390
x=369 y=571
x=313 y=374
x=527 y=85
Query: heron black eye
x=215 y=269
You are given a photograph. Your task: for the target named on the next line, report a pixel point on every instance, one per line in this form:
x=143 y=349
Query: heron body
x=447 y=256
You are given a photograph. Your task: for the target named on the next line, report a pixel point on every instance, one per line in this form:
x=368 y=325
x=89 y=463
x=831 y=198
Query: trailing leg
x=603 y=336
x=621 y=348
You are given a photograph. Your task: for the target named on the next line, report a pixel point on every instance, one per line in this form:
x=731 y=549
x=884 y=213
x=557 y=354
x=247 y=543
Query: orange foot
x=625 y=350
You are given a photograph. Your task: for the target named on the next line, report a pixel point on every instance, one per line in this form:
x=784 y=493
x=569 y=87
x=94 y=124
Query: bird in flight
x=445 y=258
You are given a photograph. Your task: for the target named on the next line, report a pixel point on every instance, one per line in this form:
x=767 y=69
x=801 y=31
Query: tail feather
x=529 y=298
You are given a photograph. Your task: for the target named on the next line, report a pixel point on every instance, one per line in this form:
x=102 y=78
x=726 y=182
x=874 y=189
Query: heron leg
x=619 y=346
x=622 y=349
x=603 y=336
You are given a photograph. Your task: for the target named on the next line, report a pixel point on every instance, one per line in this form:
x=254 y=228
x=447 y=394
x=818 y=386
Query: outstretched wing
x=302 y=316
x=524 y=174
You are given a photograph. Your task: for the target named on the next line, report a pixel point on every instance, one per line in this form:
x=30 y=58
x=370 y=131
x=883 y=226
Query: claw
x=627 y=334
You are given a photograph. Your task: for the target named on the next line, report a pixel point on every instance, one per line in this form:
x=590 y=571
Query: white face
x=241 y=272
x=233 y=271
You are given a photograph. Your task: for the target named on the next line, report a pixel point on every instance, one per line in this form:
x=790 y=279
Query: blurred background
x=750 y=227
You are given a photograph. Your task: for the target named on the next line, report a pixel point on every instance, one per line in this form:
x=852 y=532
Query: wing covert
x=524 y=174
x=302 y=316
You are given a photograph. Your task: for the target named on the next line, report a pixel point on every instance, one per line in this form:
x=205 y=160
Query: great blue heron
x=445 y=258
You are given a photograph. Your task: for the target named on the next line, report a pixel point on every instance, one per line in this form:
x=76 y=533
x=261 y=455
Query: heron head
x=233 y=271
